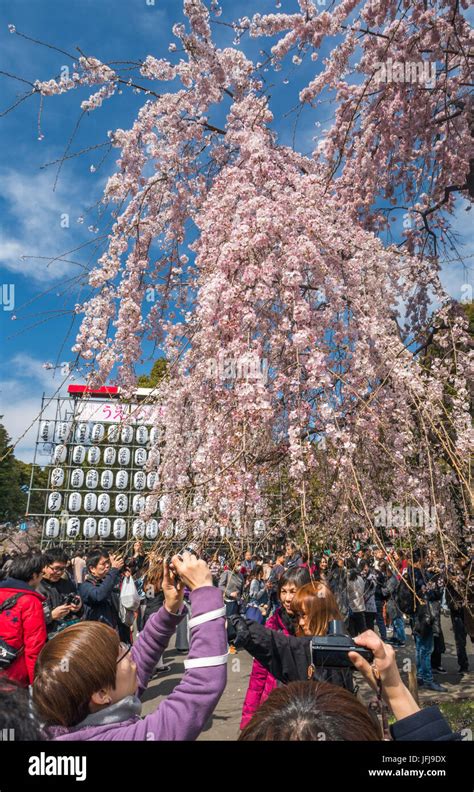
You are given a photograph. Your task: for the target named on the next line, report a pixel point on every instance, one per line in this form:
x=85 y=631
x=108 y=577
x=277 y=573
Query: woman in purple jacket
x=88 y=685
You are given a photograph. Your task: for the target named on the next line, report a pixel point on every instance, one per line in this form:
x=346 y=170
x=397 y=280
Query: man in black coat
x=63 y=605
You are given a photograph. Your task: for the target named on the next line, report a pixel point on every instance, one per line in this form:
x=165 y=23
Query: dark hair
x=23 y=567
x=418 y=555
x=93 y=556
x=73 y=665
x=311 y=711
x=16 y=712
x=53 y=554
x=297 y=576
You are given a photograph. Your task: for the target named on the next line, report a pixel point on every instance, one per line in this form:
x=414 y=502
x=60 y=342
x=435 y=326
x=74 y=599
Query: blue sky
x=30 y=210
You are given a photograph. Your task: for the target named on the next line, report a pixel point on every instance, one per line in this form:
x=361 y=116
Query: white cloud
x=20 y=402
x=34 y=223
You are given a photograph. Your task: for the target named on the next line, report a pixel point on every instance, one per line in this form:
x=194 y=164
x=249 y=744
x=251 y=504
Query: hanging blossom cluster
x=291 y=359
x=400 y=81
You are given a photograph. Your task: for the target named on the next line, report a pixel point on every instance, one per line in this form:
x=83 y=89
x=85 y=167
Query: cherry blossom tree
x=294 y=328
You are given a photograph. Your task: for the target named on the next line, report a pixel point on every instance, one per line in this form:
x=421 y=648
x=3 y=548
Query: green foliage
x=12 y=498
x=158 y=373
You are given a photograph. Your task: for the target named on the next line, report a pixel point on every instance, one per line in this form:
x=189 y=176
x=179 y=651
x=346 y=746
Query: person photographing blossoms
x=88 y=684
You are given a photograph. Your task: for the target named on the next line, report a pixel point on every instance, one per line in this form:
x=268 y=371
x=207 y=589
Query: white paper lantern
x=142 y=435
x=104 y=527
x=120 y=528
x=124 y=456
x=151 y=479
x=106 y=479
x=63 y=430
x=110 y=455
x=90 y=525
x=90 y=502
x=54 y=501
x=60 y=454
x=151 y=503
x=225 y=531
x=199 y=528
x=213 y=532
x=235 y=518
x=73 y=527
x=52 y=528
x=113 y=433
x=127 y=434
x=74 y=501
x=259 y=527
x=180 y=531
x=57 y=477
x=151 y=529
x=138 y=529
x=98 y=432
x=46 y=431
x=121 y=479
x=92 y=479
x=103 y=502
x=93 y=455
x=121 y=503
x=138 y=504
x=164 y=503
x=139 y=480
x=77 y=478
x=78 y=455
x=157 y=435
x=154 y=458
x=82 y=432
x=168 y=532
x=140 y=457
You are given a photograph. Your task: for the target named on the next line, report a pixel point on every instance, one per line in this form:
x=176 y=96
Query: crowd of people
x=82 y=634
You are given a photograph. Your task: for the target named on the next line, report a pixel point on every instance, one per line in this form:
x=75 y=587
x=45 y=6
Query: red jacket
x=23 y=625
x=261 y=682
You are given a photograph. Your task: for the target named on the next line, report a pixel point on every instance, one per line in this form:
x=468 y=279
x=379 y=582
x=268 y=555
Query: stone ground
x=224 y=724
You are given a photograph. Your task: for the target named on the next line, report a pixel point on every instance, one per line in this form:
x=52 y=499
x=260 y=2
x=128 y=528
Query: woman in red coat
x=22 y=623
x=261 y=682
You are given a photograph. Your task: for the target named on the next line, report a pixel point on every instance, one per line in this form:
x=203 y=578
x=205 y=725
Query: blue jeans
x=399 y=629
x=424 y=647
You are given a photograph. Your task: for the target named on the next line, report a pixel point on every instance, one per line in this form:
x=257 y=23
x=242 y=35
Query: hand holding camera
x=384 y=666
x=116 y=561
x=192 y=571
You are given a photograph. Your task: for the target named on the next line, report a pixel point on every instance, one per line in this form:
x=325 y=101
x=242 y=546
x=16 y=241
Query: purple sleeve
x=151 y=643
x=183 y=714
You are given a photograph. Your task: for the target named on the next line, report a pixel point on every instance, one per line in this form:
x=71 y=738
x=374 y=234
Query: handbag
x=8 y=653
x=129 y=601
x=424 y=620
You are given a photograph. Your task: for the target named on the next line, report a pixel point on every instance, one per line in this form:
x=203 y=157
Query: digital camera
x=71 y=599
x=332 y=650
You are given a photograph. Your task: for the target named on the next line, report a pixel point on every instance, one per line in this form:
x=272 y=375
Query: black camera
x=332 y=649
x=71 y=599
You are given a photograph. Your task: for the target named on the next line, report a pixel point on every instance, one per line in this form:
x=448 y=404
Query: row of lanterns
x=102 y=528
x=78 y=477
x=91 y=502
x=83 y=432
x=111 y=456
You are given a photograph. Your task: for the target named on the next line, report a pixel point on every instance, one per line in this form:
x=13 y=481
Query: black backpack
x=405 y=598
x=8 y=653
